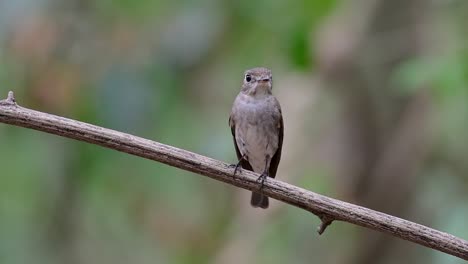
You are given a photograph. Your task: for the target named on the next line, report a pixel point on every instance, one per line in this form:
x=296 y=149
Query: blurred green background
x=374 y=96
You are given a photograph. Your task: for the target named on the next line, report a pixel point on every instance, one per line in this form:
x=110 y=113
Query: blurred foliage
x=169 y=71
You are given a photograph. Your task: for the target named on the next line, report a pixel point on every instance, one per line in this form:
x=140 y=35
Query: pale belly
x=258 y=142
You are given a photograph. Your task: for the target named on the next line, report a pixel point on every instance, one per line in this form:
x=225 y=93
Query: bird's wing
x=244 y=163
x=276 y=158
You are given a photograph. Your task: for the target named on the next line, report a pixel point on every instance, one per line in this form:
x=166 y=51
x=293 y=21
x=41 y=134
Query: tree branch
x=327 y=209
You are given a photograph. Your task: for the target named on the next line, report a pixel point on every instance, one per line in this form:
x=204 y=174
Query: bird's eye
x=248 y=78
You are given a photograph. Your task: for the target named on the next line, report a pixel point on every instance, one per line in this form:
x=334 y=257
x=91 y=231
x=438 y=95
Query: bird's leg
x=237 y=166
x=261 y=179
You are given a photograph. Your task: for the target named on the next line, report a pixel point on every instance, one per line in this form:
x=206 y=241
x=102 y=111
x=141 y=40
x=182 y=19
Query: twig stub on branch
x=326 y=221
x=10 y=100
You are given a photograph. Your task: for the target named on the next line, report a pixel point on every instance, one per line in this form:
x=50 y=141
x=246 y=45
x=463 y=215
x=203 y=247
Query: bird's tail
x=259 y=200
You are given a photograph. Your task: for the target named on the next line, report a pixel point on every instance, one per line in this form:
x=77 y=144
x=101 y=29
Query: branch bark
x=327 y=209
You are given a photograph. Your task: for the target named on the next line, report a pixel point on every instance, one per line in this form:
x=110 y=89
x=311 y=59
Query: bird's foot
x=261 y=179
x=236 y=168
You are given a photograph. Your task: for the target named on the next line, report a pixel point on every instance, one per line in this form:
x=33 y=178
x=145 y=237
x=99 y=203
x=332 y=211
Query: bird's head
x=257 y=82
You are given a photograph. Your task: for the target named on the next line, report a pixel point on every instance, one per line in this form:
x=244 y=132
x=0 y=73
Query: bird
x=256 y=123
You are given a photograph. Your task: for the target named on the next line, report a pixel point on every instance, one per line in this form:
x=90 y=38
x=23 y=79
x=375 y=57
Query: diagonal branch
x=327 y=209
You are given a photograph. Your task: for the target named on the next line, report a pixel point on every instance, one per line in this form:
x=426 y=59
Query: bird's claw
x=261 y=179
x=236 y=168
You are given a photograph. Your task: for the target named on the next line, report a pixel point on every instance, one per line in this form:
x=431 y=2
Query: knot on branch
x=326 y=221
x=10 y=100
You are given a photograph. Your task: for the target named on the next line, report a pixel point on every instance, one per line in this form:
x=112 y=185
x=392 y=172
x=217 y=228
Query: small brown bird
x=257 y=128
